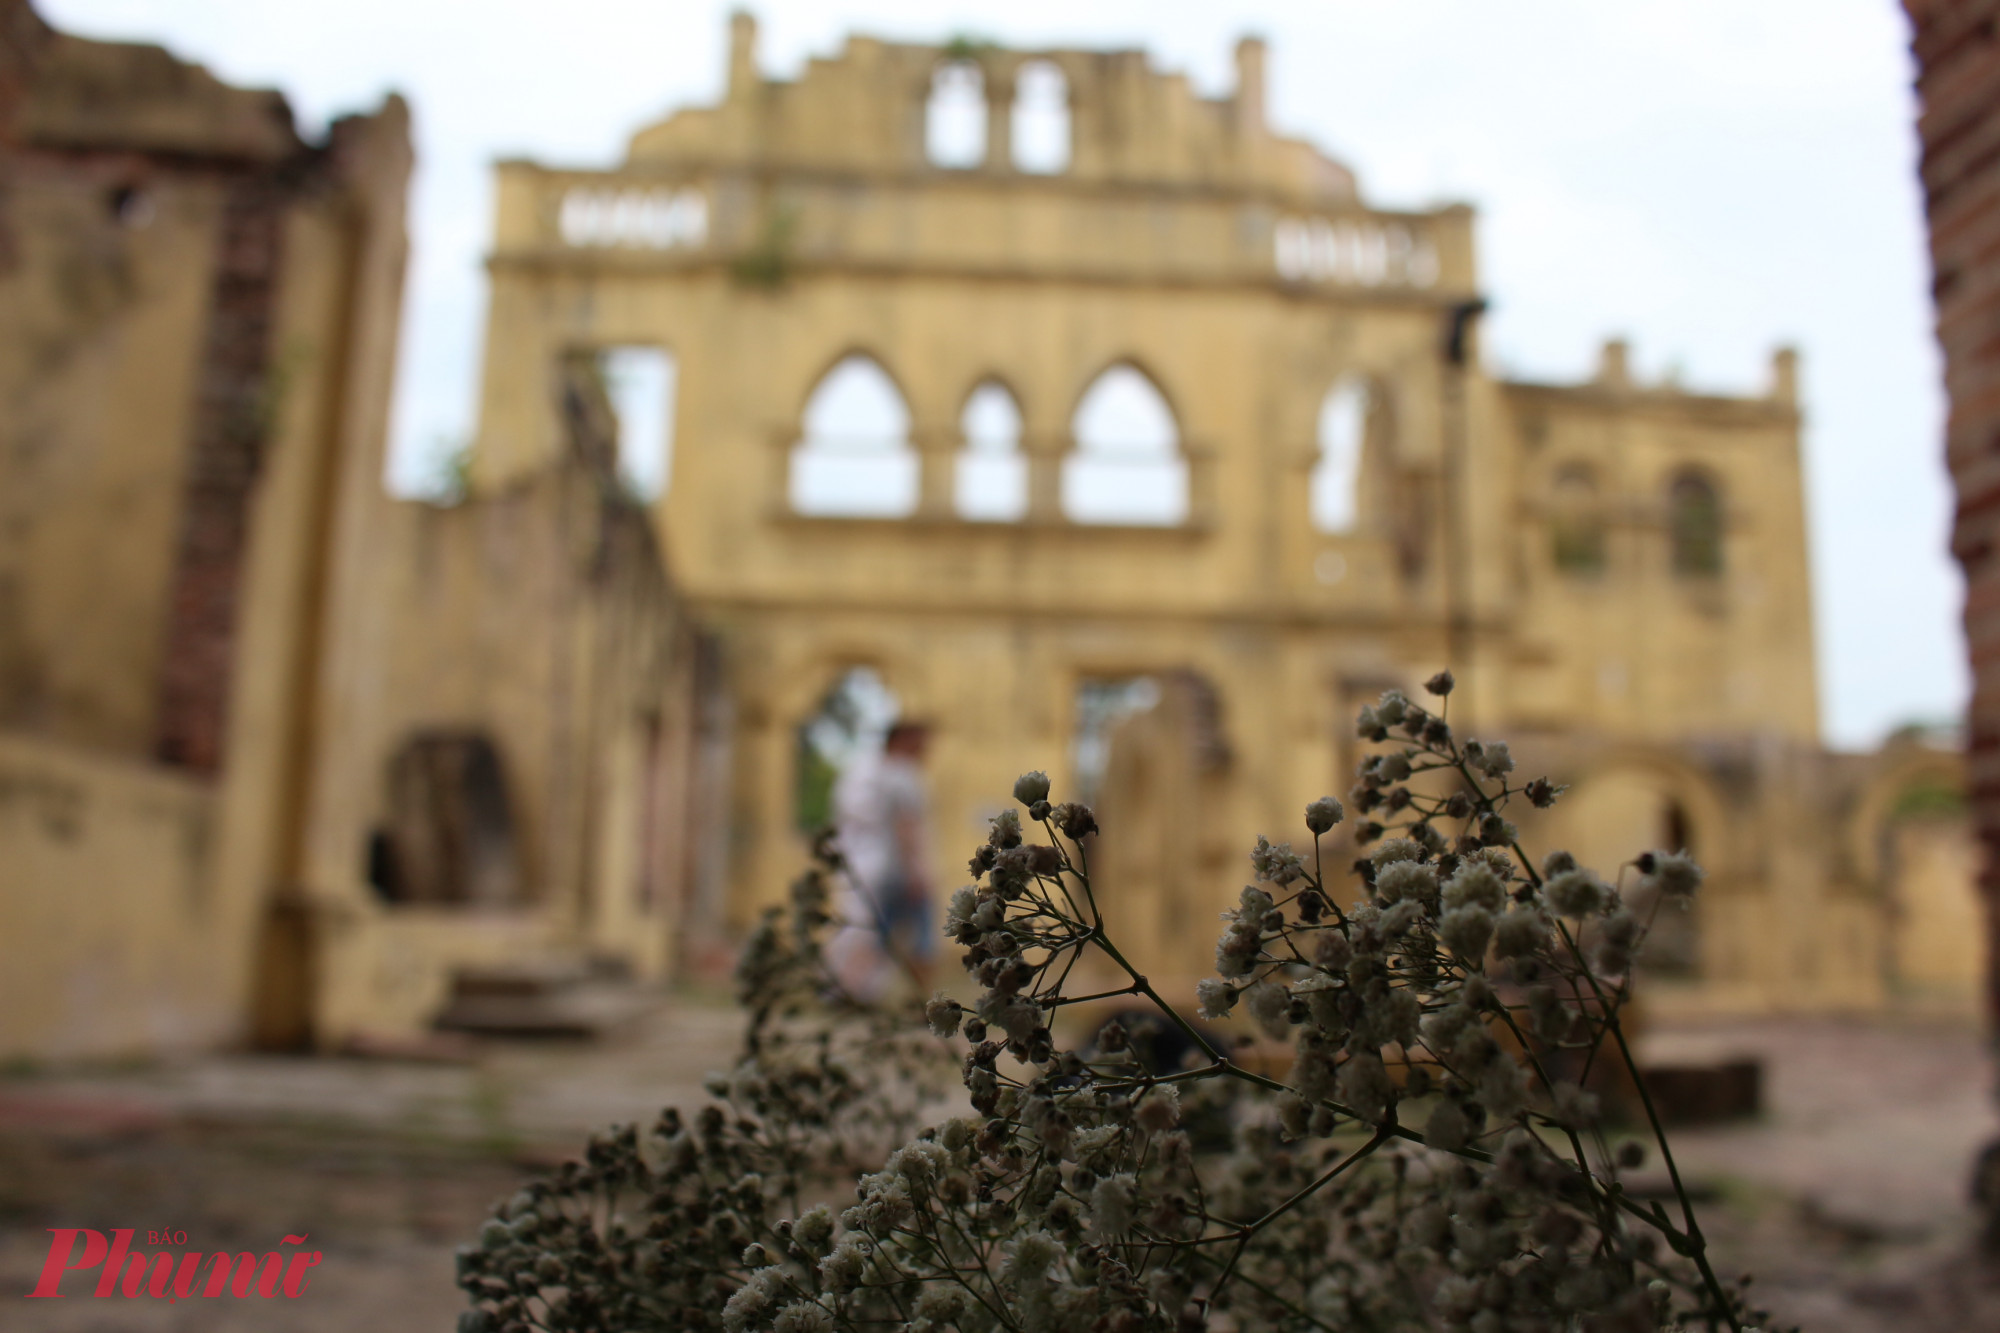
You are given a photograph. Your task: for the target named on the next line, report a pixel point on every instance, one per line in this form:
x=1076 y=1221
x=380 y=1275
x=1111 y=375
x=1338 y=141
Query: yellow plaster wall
x=107 y=908
x=1937 y=947
x=829 y=234
x=97 y=368
x=102 y=363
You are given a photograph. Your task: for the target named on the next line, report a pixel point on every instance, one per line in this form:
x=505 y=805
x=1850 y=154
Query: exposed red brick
x=230 y=427
x=1957 y=46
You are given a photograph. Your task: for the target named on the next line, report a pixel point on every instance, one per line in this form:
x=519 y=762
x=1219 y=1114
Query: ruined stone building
x=1108 y=429
x=1165 y=399
x=281 y=757
x=171 y=251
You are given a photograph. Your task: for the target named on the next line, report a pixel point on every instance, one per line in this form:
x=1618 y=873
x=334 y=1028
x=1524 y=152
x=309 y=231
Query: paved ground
x=1847 y=1198
x=387 y=1166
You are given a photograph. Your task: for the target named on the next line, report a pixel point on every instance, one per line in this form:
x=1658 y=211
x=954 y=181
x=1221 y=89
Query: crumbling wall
x=193 y=356
x=534 y=622
x=141 y=225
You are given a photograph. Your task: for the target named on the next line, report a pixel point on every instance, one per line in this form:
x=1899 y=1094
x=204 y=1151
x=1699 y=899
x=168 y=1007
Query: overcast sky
x=1705 y=177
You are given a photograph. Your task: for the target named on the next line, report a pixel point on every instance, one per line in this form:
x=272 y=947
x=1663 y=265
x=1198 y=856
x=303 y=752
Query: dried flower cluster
x=658 y=1230
x=1435 y=1157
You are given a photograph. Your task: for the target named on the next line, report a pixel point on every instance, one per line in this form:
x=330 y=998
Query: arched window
x=1040 y=129
x=955 y=116
x=854 y=459
x=640 y=382
x=1334 y=489
x=1694 y=521
x=850 y=721
x=1127 y=466
x=1101 y=704
x=1673 y=938
x=992 y=473
x=1613 y=812
x=450 y=836
x=1576 y=522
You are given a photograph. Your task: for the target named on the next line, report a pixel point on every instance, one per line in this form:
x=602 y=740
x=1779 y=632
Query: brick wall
x=1957 y=47
x=234 y=400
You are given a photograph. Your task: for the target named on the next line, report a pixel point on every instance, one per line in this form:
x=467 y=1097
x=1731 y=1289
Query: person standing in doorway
x=881 y=808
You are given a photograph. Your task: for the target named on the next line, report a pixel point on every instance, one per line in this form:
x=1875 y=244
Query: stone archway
x=1911 y=842
x=1630 y=800
x=1162 y=865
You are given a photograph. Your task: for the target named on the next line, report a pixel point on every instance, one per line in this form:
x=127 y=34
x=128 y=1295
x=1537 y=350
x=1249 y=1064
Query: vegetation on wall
x=767 y=264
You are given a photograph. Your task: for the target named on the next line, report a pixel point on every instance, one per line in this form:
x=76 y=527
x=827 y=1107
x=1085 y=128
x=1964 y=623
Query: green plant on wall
x=767 y=264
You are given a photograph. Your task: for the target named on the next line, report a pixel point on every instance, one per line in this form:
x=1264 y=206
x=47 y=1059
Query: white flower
x=1365 y=1087
x=1217 y=997
x=1676 y=873
x=803 y=1317
x=1279 y=864
x=1575 y=893
x=943 y=1014
x=1159 y=1110
x=1447 y=1128
x=1270 y=1004
x=1236 y=955
x=1502 y=1088
x=753 y=1301
x=1399 y=919
x=814 y=1229
x=1521 y=932
x=1292 y=1115
x=917 y=1163
x=1466 y=931
x=955 y=1134
x=842 y=1270
x=940 y=1304
x=1396 y=849
x=1324 y=813
x=1412 y=880
x=1034 y=1254
x=1475 y=884
x=1333 y=951
x=1111 y=1207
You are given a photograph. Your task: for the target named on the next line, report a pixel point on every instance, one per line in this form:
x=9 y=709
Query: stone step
x=543 y=1000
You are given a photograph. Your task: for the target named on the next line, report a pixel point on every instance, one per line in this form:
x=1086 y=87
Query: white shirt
x=873 y=795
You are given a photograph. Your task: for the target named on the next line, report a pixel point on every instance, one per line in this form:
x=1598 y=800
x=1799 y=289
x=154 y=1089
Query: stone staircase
x=547 y=999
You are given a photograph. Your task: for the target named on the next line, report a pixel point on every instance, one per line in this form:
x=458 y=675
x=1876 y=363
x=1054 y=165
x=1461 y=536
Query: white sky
x=1706 y=177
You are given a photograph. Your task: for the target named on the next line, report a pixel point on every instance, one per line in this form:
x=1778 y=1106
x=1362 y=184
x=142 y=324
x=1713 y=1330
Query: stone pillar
x=1785 y=376
x=743 y=75
x=937 y=459
x=1045 y=459
x=1250 y=94
x=999 y=121
x=1614 y=365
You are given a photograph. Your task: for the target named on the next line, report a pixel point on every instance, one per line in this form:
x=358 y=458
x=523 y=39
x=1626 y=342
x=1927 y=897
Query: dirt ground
x=1847 y=1198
